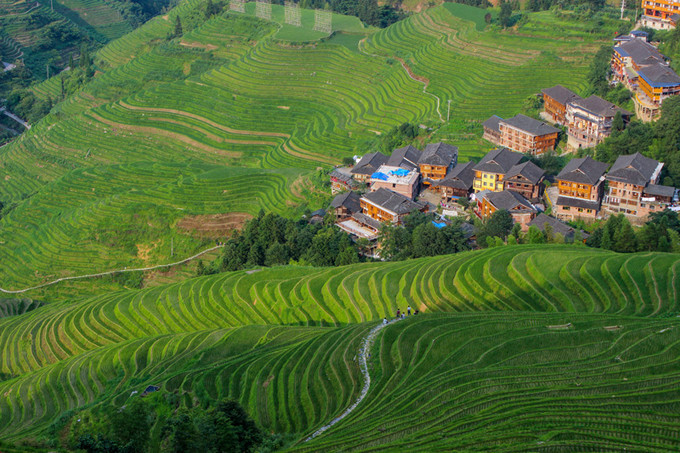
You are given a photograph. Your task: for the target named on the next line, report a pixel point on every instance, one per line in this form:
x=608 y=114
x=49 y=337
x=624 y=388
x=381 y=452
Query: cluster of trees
x=660 y=234
x=226 y=427
x=369 y=11
x=419 y=237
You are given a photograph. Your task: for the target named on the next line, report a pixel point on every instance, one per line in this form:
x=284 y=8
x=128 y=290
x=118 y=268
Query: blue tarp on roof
x=438 y=225
x=380 y=175
x=399 y=172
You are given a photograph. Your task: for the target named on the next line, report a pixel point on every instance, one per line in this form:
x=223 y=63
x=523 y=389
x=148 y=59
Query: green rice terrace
x=269 y=102
x=540 y=348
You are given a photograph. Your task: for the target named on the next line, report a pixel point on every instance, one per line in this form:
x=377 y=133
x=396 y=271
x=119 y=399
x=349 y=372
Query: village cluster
x=382 y=189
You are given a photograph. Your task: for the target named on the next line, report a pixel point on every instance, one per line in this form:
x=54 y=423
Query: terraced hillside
x=538 y=329
x=230 y=92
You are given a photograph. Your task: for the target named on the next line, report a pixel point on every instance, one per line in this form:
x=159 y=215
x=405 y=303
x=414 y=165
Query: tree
x=499 y=224
x=624 y=238
x=598 y=75
x=179 y=434
x=505 y=14
x=535 y=236
x=247 y=432
x=277 y=253
x=131 y=426
x=348 y=255
x=617 y=124
x=178 y=27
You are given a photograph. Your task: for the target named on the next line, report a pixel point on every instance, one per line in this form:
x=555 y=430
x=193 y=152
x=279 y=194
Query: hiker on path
x=415 y=312
x=384 y=321
x=409 y=310
x=398 y=313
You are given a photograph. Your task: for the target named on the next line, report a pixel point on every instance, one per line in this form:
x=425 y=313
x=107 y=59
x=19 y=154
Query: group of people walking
x=402 y=315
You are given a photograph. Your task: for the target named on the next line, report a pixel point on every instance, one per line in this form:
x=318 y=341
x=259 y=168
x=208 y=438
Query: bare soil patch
x=214 y=225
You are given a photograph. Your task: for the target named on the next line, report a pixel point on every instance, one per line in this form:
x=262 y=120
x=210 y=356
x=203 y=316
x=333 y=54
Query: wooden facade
x=434 y=172
x=525 y=188
x=525 y=142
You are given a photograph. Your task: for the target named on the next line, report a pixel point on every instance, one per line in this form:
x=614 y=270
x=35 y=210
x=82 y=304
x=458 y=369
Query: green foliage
x=500 y=224
x=600 y=69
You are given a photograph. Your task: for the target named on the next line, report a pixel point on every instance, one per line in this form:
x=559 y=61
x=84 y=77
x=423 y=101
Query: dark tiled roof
x=318 y=213
x=584 y=170
x=492 y=123
x=659 y=75
x=509 y=200
x=578 y=203
x=528 y=169
x=498 y=161
x=662 y=191
x=392 y=201
x=561 y=94
x=342 y=176
x=633 y=169
x=530 y=125
x=369 y=163
x=639 y=50
x=366 y=220
x=441 y=154
x=598 y=106
x=462 y=176
x=675 y=17
x=349 y=200
x=542 y=220
x=406 y=157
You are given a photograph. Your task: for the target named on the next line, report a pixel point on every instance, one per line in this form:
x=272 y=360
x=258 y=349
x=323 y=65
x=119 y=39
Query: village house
x=526 y=179
x=541 y=221
x=580 y=186
x=345 y=204
x=521 y=133
x=491 y=170
x=458 y=182
x=406 y=158
x=555 y=102
x=342 y=180
x=396 y=179
x=628 y=56
x=590 y=121
x=436 y=160
x=386 y=206
x=659 y=14
x=521 y=210
x=633 y=188
x=368 y=165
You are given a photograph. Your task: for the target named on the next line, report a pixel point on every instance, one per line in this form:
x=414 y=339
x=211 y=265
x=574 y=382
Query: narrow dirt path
x=363 y=359
x=101 y=274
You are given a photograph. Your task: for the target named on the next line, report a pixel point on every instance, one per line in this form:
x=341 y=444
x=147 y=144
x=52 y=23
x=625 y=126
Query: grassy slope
x=228 y=93
x=464 y=381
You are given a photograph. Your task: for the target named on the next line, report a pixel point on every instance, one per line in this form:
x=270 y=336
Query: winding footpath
x=101 y=274
x=364 y=352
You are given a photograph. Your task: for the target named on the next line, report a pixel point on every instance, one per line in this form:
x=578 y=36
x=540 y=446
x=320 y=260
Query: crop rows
x=537 y=279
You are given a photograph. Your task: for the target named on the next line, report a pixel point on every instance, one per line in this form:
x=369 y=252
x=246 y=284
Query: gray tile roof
x=561 y=94
x=639 y=51
x=498 y=161
x=492 y=123
x=510 y=201
x=392 y=201
x=583 y=170
x=406 y=157
x=369 y=164
x=462 y=176
x=633 y=169
x=662 y=191
x=366 y=220
x=440 y=154
x=578 y=203
x=530 y=125
x=542 y=220
x=529 y=170
x=343 y=176
x=349 y=200
x=659 y=74
x=598 y=106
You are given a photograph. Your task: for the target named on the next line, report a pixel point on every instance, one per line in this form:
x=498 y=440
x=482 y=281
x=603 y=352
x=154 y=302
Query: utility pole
x=448 y=112
x=623 y=7
x=172 y=247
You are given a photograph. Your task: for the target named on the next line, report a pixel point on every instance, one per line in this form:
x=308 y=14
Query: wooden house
x=555 y=102
x=342 y=180
x=660 y=14
x=590 y=121
x=368 y=165
x=580 y=187
x=521 y=210
x=386 y=206
x=633 y=188
x=521 y=133
x=491 y=170
x=406 y=158
x=526 y=179
x=436 y=160
x=656 y=82
x=396 y=179
x=457 y=183
x=346 y=204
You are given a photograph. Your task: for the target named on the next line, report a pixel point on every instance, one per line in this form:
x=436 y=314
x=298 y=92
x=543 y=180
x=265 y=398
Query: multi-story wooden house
x=628 y=56
x=491 y=170
x=660 y=14
x=396 y=179
x=590 y=121
x=386 y=206
x=633 y=188
x=555 y=102
x=341 y=180
x=521 y=210
x=406 y=158
x=346 y=204
x=436 y=160
x=521 y=133
x=368 y=165
x=458 y=182
x=580 y=186
x=656 y=82
x=526 y=179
